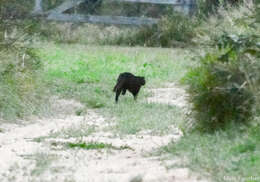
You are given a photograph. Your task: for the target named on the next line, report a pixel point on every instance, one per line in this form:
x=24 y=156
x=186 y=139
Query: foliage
x=84 y=33
x=206 y=7
x=173 y=29
x=224 y=87
x=15 y=9
x=234 y=21
x=21 y=90
x=224 y=90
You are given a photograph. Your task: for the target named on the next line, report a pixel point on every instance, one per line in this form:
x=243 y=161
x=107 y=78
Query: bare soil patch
x=24 y=159
x=171 y=94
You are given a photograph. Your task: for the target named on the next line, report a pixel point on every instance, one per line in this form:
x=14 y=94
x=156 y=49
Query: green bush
x=224 y=87
x=238 y=21
x=206 y=7
x=21 y=91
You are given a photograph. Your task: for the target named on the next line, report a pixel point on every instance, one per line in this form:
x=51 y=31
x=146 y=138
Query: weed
x=22 y=92
x=249 y=146
x=96 y=146
x=79 y=112
x=137 y=178
x=173 y=30
x=43 y=161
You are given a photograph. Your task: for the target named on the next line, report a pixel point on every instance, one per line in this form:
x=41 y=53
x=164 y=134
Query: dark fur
x=130 y=82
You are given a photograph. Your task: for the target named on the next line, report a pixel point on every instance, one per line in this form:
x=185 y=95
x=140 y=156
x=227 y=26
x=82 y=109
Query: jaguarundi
x=130 y=82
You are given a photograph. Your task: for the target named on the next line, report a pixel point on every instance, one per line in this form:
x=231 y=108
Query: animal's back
x=125 y=75
x=130 y=80
x=124 y=79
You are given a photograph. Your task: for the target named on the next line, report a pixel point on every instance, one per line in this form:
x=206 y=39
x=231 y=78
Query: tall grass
x=173 y=30
x=15 y=9
x=237 y=21
x=21 y=91
x=83 y=33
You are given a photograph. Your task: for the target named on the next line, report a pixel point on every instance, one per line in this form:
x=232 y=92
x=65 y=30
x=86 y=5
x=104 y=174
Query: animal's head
x=142 y=80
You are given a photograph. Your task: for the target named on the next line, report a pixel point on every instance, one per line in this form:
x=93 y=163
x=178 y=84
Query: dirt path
x=169 y=94
x=28 y=156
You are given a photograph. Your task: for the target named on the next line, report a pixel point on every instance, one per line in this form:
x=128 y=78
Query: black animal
x=130 y=82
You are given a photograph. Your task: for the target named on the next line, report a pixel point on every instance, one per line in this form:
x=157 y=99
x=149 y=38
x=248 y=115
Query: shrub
x=172 y=30
x=13 y=9
x=210 y=6
x=224 y=87
x=238 y=21
x=21 y=92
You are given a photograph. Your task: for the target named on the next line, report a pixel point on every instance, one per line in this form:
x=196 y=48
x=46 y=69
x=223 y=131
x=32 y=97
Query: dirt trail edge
x=39 y=151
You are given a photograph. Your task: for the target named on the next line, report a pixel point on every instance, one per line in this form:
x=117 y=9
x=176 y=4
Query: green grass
x=88 y=74
x=134 y=117
x=74 y=131
x=96 y=146
x=91 y=64
x=233 y=152
x=22 y=91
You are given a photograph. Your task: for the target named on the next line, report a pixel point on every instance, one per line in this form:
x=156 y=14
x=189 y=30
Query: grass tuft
x=97 y=145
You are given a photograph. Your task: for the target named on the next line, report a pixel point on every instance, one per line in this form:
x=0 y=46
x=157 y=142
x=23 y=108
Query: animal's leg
x=124 y=91
x=135 y=97
x=118 y=91
x=135 y=93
